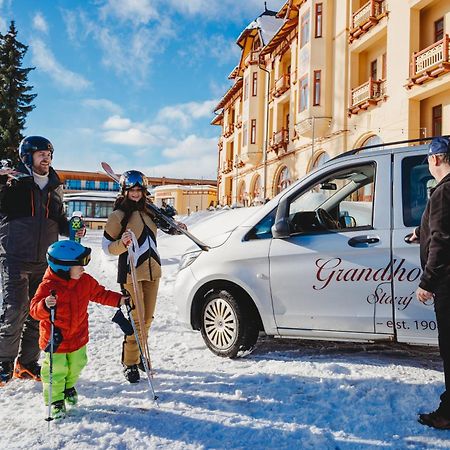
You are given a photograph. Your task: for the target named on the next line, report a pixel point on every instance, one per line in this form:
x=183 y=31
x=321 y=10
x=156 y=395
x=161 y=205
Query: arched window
x=242 y=197
x=373 y=140
x=256 y=191
x=283 y=180
x=320 y=159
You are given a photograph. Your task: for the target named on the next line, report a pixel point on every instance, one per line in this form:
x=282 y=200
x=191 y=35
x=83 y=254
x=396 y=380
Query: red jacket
x=71 y=316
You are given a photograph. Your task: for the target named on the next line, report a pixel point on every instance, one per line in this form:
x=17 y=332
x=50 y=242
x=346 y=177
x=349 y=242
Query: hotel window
x=104 y=185
x=437 y=120
x=318 y=21
x=244 y=134
x=317 y=80
x=90 y=184
x=254 y=84
x=253 y=132
x=303 y=93
x=373 y=70
x=439 y=29
x=73 y=184
x=304 y=30
x=246 y=88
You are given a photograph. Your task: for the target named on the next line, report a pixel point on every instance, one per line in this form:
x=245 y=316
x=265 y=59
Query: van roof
x=418 y=144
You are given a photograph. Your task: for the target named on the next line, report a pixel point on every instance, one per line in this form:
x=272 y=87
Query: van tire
x=228 y=327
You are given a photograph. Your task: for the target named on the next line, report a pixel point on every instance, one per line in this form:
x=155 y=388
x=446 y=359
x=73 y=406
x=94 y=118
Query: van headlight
x=188 y=258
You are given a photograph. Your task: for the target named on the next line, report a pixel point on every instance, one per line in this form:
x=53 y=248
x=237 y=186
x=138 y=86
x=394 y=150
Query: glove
x=123 y=323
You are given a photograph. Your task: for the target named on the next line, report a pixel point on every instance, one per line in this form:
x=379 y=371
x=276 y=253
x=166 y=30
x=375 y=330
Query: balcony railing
x=252 y=58
x=366 y=17
x=367 y=94
x=229 y=130
x=280 y=140
x=238 y=123
x=281 y=85
x=430 y=62
x=227 y=166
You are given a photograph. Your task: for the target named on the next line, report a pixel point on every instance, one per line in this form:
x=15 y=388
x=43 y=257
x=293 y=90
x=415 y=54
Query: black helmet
x=132 y=178
x=31 y=144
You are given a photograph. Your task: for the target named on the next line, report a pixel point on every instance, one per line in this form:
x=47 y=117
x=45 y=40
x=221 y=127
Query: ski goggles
x=82 y=260
x=134 y=178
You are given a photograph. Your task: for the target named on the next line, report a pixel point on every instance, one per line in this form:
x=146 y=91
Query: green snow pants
x=66 y=371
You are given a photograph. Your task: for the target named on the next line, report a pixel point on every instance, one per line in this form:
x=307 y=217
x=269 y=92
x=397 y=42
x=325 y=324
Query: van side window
x=263 y=229
x=416 y=184
x=341 y=201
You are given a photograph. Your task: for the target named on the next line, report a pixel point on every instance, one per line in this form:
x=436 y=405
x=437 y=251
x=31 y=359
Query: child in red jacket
x=66 y=288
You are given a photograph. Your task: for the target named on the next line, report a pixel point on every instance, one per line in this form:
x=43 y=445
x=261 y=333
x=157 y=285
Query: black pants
x=19 y=332
x=442 y=310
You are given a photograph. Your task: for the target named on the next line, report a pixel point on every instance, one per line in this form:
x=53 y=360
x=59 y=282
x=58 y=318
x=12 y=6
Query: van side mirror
x=281 y=229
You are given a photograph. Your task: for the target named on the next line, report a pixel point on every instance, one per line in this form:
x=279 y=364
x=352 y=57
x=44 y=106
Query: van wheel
x=227 y=327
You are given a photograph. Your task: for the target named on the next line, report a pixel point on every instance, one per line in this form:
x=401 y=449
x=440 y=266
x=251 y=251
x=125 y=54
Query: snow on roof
x=267 y=24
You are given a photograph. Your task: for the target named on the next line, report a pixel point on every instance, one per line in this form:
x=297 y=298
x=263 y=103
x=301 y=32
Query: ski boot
x=6 y=371
x=58 y=410
x=71 y=396
x=132 y=373
x=28 y=371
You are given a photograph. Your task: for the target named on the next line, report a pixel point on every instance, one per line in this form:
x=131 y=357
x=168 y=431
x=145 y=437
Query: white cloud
x=39 y=23
x=102 y=104
x=218 y=9
x=135 y=11
x=45 y=61
x=193 y=157
x=185 y=113
x=117 y=123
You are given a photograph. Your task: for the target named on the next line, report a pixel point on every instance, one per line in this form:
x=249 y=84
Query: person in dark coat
x=31 y=217
x=434 y=237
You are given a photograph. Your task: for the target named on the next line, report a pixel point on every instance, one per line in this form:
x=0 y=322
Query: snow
x=287 y=394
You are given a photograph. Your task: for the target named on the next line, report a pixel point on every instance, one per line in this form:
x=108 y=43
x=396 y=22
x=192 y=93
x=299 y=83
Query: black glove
x=123 y=322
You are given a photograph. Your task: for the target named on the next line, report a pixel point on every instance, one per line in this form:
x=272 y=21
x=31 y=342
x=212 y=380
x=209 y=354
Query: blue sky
x=131 y=82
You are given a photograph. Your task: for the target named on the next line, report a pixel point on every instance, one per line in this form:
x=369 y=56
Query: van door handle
x=363 y=241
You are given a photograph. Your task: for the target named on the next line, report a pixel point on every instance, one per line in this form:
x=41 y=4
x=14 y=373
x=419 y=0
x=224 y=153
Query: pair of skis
x=159 y=213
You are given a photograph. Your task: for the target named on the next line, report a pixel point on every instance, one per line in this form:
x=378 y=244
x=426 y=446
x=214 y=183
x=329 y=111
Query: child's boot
x=58 y=410
x=71 y=396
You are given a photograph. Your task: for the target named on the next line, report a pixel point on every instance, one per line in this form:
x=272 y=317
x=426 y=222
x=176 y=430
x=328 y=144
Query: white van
x=325 y=259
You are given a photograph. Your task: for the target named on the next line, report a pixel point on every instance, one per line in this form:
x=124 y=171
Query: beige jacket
x=143 y=227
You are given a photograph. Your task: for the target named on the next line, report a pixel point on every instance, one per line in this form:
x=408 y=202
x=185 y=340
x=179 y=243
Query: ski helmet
x=62 y=255
x=31 y=144
x=132 y=178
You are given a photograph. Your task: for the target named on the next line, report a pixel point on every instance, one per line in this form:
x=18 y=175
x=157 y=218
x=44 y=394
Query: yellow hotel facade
x=319 y=77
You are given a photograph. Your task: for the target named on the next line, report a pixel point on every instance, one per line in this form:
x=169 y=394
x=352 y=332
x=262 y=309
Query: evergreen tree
x=15 y=97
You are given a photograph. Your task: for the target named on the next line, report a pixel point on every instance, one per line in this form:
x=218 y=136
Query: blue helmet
x=62 y=255
x=31 y=144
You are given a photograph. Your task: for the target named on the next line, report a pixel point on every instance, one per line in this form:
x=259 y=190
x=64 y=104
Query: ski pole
x=52 y=342
x=144 y=358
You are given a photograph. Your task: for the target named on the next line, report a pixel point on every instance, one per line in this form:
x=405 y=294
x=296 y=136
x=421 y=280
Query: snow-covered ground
x=285 y=395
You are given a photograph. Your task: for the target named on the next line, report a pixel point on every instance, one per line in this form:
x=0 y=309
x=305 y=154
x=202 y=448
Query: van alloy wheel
x=227 y=325
x=220 y=324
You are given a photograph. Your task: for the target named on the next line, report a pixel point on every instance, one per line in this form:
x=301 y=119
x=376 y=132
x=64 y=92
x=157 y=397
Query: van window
x=416 y=184
x=341 y=201
x=263 y=229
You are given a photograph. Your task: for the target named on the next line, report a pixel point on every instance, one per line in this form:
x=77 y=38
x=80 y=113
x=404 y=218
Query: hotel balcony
x=280 y=140
x=366 y=95
x=430 y=63
x=252 y=58
x=281 y=85
x=220 y=144
x=366 y=18
x=238 y=123
x=228 y=131
x=227 y=166
x=239 y=163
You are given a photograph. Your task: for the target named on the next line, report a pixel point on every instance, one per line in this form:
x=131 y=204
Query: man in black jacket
x=31 y=217
x=434 y=236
